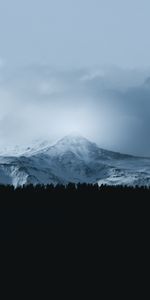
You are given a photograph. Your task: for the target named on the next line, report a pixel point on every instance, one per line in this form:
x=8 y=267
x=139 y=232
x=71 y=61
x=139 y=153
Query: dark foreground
x=44 y=212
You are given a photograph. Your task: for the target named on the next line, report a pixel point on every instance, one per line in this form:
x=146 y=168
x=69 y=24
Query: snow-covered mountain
x=72 y=159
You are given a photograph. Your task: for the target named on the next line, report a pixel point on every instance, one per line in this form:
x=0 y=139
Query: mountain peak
x=73 y=143
x=74 y=139
x=74 y=135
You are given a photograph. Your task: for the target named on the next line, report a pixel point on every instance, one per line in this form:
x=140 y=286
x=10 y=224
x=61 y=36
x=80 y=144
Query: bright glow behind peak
x=72 y=121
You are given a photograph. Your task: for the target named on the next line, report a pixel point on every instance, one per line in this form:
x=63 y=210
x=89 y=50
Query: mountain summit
x=74 y=139
x=75 y=144
x=73 y=159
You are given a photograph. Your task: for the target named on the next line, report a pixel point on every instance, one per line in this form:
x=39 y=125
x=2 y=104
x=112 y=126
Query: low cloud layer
x=110 y=106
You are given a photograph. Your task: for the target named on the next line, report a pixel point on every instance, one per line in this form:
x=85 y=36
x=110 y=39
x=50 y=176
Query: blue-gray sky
x=110 y=106
x=76 y=65
x=75 y=32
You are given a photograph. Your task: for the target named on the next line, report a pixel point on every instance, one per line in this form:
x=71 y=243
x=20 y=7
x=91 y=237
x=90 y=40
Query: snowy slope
x=24 y=150
x=72 y=159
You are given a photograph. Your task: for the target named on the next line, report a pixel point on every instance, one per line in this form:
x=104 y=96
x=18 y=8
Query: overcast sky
x=76 y=65
x=75 y=32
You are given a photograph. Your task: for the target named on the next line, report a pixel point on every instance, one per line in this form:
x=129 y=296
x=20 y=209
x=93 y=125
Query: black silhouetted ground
x=45 y=211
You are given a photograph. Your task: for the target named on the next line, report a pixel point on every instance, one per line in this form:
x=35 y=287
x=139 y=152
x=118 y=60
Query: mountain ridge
x=74 y=159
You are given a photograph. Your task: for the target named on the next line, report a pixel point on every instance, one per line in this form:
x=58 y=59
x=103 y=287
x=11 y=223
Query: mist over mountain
x=108 y=105
x=80 y=66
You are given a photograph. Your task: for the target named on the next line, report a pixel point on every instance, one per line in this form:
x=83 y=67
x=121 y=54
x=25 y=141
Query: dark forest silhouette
x=60 y=193
x=71 y=187
x=32 y=210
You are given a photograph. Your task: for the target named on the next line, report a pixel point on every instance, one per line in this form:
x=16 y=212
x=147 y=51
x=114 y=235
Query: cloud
x=110 y=106
x=2 y=62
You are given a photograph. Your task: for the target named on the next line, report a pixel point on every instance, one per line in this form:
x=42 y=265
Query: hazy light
x=38 y=103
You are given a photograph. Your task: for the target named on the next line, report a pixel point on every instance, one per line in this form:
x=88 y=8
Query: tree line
x=73 y=188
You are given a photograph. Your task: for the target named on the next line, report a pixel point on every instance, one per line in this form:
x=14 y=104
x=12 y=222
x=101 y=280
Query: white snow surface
x=71 y=159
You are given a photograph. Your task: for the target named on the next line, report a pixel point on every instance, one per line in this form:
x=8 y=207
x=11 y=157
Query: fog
x=75 y=66
x=108 y=105
x=75 y=32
